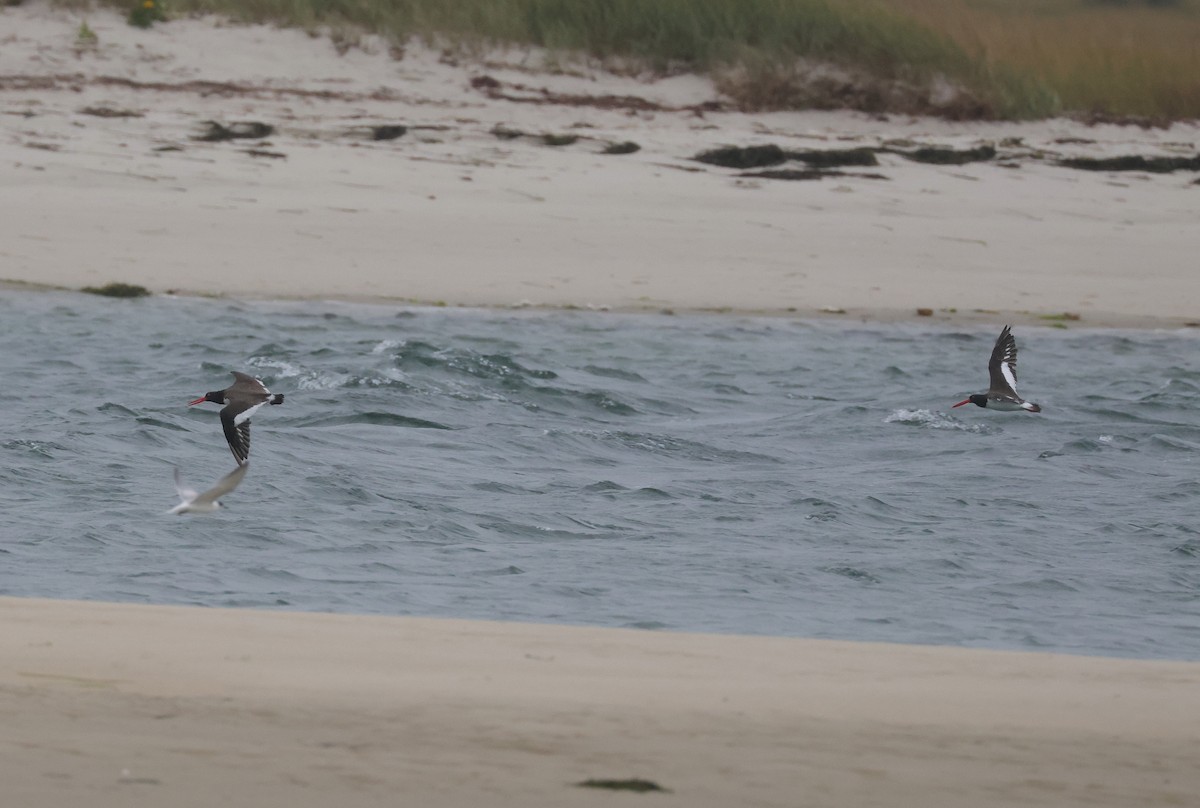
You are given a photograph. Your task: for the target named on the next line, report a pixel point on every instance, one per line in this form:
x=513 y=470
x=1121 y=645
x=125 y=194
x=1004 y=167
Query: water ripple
x=929 y=419
x=692 y=473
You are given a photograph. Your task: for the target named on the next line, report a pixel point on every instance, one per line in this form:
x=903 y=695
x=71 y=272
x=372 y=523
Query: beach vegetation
x=636 y=784
x=955 y=58
x=85 y=37
x=145 y=13
x=1105 y=59
x=117 y=290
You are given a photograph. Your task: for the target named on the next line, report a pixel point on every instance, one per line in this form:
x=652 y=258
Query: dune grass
x=1120 y=57
x=1011 y=58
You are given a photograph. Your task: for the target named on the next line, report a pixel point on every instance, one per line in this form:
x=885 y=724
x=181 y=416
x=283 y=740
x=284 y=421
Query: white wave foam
x=387 y=345
x=303 y=379
x=931 y=419
x=322 y=381
x=280 y=368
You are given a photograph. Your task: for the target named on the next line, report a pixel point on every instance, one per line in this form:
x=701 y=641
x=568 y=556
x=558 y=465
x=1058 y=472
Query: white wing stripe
x=1007 y=370
x=244 y=415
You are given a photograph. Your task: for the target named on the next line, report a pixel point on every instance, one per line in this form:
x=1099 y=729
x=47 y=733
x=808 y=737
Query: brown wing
x=246 y=385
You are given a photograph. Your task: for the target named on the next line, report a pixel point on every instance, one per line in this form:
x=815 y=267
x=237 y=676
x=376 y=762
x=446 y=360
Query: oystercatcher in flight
x=241 y=400
x=191 y=502
x=1002 y=367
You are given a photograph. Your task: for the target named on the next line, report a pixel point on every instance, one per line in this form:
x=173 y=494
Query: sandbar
x=123 y=704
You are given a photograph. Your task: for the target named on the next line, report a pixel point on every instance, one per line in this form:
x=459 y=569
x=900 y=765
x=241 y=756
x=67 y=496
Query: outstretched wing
x=224 y=485
x=237 y=435
x=1002 y=368
x=186 y=494
x=245 y=383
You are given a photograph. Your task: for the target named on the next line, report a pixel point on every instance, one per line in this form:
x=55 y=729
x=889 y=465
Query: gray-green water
x=694 y=473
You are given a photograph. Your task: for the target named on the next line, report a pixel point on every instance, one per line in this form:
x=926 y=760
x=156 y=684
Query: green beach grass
x=1114 y=57
x=1007 y=59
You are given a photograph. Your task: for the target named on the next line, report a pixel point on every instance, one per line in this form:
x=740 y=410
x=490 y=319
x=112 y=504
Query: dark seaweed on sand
x=949 y=157
x=388 y=131
x=747 y=157
x=252 y=130
x=828 y=158
x=117 y=290
x=628 y=147
x=743 y=156
x=631 y=784
x=1133 y=162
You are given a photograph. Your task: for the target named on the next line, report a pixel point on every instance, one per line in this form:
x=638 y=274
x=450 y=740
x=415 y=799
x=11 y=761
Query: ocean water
x=725 y=474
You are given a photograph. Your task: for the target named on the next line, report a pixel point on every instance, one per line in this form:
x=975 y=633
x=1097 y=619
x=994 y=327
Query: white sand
x=451 y=213
x=119 y=705
x=114 y=705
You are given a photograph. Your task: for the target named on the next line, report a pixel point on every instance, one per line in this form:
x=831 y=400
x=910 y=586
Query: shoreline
x=121 y=702
x=855 y=316
x=472 y=205
x=493 y=187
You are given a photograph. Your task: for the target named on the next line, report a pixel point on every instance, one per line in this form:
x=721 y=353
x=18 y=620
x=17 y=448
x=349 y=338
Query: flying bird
x=241 y=400
x=1002 y=368
x=191 y=502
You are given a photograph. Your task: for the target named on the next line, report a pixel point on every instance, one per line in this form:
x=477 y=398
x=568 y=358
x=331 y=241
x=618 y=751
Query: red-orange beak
x=959 y=404
x=200 y=400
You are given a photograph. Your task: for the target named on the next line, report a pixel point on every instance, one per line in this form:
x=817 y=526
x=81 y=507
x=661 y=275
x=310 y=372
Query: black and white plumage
x=1002 y=370
x=241 y=399
x=192 y=502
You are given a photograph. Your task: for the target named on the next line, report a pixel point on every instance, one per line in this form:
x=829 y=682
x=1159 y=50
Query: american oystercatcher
x=241 y=400
x=1002 y=367
x=191 y=502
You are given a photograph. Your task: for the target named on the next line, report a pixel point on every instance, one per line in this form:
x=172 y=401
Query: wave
x=370 y=419
x=931 y=419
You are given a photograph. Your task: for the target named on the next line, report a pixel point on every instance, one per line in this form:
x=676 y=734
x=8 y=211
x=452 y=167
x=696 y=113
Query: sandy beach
x=110 y=705
x=106 y=175
x=105 y=180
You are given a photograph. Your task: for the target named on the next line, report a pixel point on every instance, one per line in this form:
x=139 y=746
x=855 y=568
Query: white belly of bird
x=1006 y=406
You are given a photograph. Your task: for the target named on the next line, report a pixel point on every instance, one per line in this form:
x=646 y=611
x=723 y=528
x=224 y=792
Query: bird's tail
x=277 y=398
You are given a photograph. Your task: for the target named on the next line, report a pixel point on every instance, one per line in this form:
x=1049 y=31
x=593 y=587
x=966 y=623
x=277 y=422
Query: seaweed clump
x=117 y=290
x=1133 y=162
x=743 y=156
x=636 y=784
x=628 y=147
x=949 y=157
x=828 y=158
x=253 y=130
x=747 y=157
x=388 y=131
